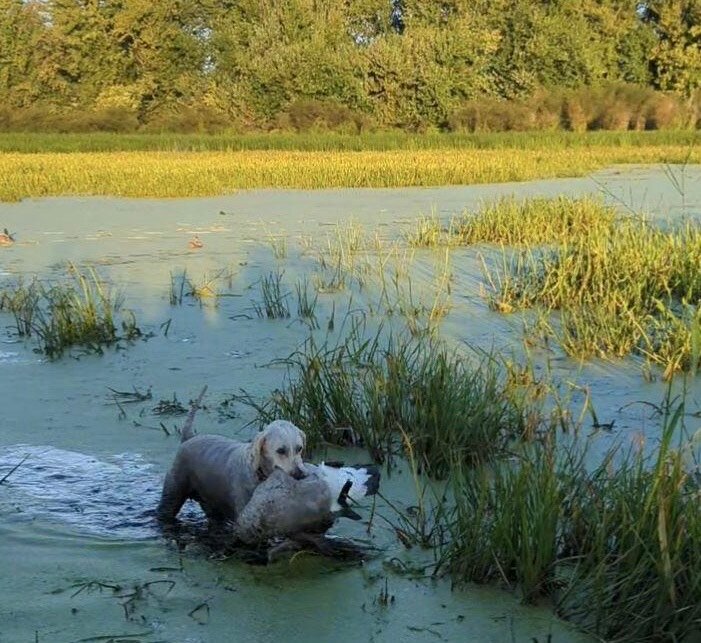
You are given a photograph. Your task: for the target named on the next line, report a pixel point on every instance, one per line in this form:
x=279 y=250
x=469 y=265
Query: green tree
x=676 y=57
x=21 y=33
x=269 y=54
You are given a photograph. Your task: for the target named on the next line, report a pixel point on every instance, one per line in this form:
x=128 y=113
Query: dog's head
x=279 y=446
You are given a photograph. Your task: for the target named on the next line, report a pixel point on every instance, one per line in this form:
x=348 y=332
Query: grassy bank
x=30 y=142
x=189 y=174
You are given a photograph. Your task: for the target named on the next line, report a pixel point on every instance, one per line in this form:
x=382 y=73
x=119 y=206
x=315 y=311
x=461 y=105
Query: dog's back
x=214 y=471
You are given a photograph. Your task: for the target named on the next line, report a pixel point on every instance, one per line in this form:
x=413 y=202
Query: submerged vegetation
x=82 y=312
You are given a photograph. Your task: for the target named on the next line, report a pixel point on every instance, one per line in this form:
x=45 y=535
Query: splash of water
x=114 y=498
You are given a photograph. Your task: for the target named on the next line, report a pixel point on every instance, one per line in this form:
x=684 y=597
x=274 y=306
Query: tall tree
x=416 y=76
x=269 y=54
x=676 y=57
x=21 y=31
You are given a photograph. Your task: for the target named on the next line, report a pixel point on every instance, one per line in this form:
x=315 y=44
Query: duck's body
x=195 y=243
x=284 y=506
x=6 y=239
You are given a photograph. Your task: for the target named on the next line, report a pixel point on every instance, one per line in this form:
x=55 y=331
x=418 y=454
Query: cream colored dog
x=222 y=474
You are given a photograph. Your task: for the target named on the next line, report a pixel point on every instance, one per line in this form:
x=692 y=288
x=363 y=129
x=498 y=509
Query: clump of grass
x=428 y=232
x=275 y=305
x=62 y=315
x=331 y=277
x=534 y=221
x=22 y=302
x=278 y=244
x=178 y=283
x=306 y=303
x=373 y=388
x=627 y=289
x=617 y=546
x=206 y=289
x=506 y=524
x=422 y=306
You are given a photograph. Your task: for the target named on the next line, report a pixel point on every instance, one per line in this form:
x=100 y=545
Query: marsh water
x=81 y=557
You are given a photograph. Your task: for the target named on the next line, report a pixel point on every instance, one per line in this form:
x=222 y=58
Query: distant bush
x=493 y=115
x=617 y=106
x=611 y=107
x=44 y=118
x=190 y=119
x=304 y=115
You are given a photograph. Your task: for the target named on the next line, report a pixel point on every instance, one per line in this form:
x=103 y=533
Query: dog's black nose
x=298 y=474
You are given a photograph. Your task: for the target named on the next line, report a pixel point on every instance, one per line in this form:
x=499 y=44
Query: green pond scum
x=520 y=359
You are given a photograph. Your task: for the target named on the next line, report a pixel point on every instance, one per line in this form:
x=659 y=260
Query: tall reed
x=372 y=388
x=616 y=545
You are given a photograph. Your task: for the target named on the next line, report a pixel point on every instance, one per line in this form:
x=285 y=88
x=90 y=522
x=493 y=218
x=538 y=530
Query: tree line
x=413 y=64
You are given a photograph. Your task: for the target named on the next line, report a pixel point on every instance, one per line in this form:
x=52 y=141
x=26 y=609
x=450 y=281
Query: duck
x=195 y=242
x=282 y=506
x=6 y=239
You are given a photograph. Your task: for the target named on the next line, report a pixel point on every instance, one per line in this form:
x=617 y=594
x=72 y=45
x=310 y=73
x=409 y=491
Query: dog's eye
x=298 y=449
x=282 y=451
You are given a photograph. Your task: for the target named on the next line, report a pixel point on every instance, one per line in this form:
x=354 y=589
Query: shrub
x=308 y=114
x=190 y=119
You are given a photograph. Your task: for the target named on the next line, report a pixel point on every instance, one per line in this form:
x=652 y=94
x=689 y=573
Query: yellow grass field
x=191 y=174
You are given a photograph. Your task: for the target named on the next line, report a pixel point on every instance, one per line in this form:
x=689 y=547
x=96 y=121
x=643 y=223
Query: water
x=81 y=555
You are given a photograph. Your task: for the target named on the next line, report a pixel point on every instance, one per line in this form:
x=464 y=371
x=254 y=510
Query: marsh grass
x=207 y=289
x=278 y=244
x=191 y=174
x=28 y=142
x=423 y=306
x=512 y=222
x=428 y=232
x=178 y=282
x=275 y=302
x=623 y=287
x=534 y=221
x=332 y=276
x=425 y=523
x=376 y=389
x=306 y=303
x=381 y=271
x=81 y=312
x=616 y=545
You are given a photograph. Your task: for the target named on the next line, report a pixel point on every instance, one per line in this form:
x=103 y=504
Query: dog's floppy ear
x=257 y=446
